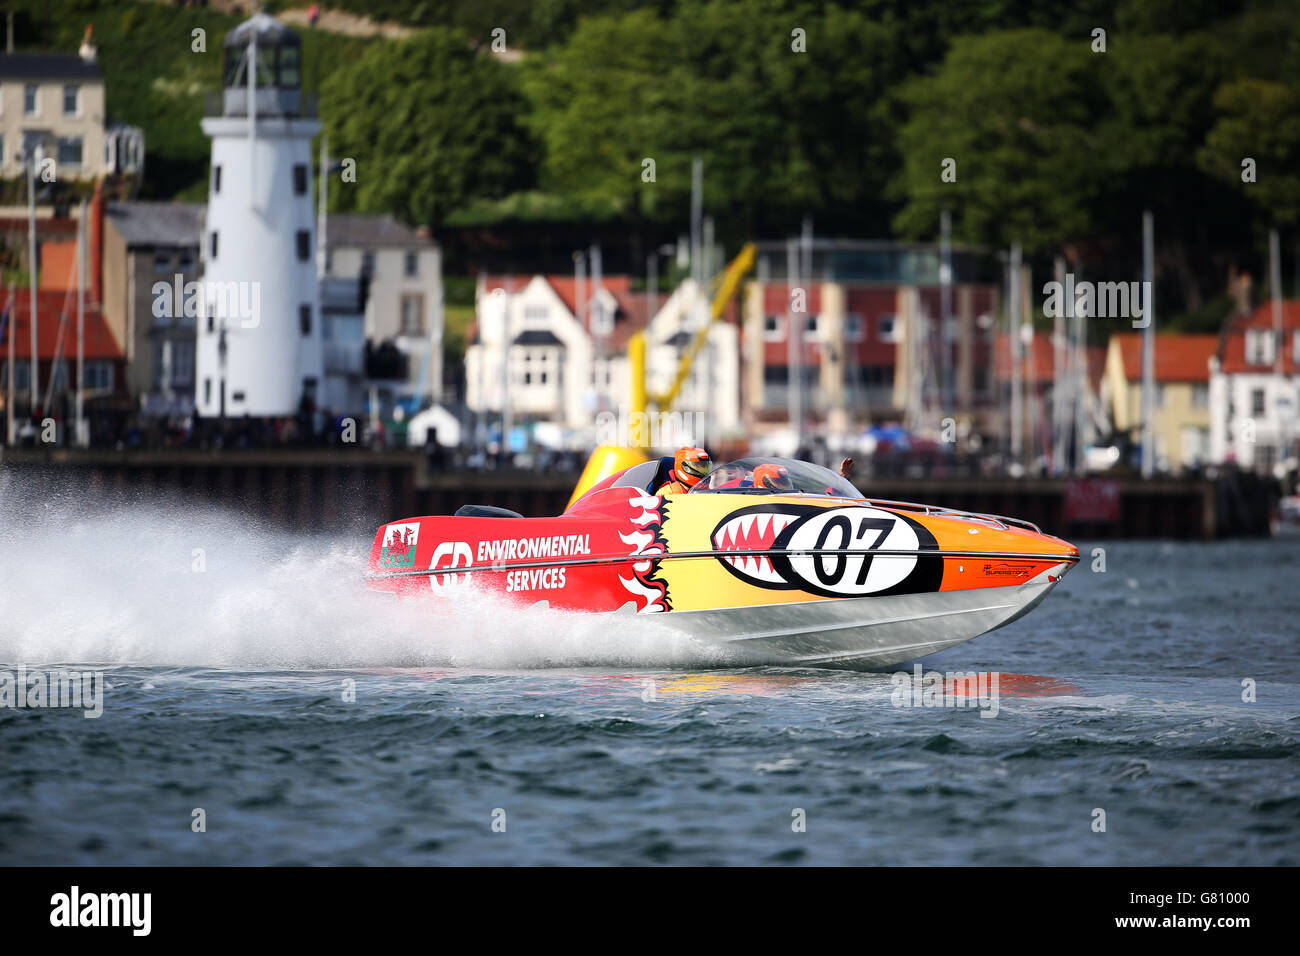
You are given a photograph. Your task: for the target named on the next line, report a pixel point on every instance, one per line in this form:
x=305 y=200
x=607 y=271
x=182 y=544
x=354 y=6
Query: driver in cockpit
x=690 y=467
x=773 y=478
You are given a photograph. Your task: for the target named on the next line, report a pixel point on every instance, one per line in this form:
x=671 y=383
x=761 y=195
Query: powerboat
x=804 y=569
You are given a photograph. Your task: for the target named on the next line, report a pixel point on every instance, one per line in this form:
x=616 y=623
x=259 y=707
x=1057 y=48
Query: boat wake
x=168 y=584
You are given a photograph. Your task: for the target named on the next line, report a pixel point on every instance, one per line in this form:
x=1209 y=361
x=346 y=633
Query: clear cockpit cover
x=775 y=476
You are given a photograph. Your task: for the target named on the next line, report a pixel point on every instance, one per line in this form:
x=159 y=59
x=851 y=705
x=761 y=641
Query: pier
x=356 y=490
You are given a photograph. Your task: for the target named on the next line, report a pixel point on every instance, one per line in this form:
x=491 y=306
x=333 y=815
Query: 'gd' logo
x=450 y=554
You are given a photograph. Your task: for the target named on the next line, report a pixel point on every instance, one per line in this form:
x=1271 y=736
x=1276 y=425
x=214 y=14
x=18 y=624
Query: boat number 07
x=856 y=533
x=840 y=523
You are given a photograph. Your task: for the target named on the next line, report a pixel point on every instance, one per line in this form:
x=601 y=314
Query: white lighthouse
x=259 y=333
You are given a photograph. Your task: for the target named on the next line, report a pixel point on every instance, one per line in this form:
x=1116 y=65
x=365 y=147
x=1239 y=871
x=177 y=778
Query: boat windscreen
x=775 y=476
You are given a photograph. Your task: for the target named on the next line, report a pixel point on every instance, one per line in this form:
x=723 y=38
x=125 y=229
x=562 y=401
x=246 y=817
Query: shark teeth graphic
x=747 y=533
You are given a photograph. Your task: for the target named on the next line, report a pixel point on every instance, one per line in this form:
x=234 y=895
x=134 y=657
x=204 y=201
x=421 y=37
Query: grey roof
x=158 y=223
x=40 y=66
x=370 y=231
x=537 y=337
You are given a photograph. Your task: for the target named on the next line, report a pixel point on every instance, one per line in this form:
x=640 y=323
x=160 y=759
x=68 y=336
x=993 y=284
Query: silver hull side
x=866 y=631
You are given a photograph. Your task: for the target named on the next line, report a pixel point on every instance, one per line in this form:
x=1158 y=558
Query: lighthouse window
x=214 y=243
x=304 y=319
x=265 y=67
x=300 y=179
x=216 y=178
x=304 y=245
x=289 y=67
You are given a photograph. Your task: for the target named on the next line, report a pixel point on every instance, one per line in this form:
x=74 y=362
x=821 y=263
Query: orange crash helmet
x=773 y=478
x=691 y=465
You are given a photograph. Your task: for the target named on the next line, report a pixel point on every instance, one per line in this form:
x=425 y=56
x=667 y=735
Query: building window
x=71 y=100
x=30 y=101
x=182 y=363
x=304 y=319
x=70 y=150
x=1160 y=396
x=368 y=263
x=411 y=266
x=535 y=316
x=1256 y=401
x=1200 y=396
x=412 y=315
x=811 y=326
x=213 y=241
x=772 y=330
x=1259 y=346
x=853 y=327
x=186 y=263
x=304 y=245
x=885 y=329
x=299 y=179
x=162 y=263
x=216 y=178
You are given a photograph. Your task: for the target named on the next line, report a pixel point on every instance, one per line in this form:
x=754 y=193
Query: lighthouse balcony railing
x=271 y=101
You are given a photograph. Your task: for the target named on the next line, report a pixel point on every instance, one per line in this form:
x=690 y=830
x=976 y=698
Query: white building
x=405 y=302
x=1254 y=397
x=551 y=353
x=259 y=349
x=568 y=353
x=56 y=100
x=713 y=387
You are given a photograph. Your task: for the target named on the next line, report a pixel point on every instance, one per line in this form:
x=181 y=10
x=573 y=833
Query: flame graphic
x=648 y=515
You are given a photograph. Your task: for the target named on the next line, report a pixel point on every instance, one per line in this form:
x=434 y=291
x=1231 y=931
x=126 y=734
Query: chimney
x=87 y=49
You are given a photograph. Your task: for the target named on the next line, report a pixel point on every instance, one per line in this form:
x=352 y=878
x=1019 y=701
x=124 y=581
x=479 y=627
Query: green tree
x=1015 y=110
x=781 y=131
x=431 y=124
x=1259 y=120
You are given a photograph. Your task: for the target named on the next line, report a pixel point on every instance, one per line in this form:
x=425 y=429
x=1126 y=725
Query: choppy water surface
x=226 y=692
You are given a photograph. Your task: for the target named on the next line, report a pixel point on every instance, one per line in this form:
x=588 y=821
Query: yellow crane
x=608 y=459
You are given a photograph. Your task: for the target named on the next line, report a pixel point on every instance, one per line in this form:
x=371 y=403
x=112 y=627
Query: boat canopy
x=776 y=476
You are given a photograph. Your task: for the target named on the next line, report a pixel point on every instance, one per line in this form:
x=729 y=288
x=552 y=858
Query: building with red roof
x=56 y=351
x=1181 y=416
x=1255 y=389
x=567 y=343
